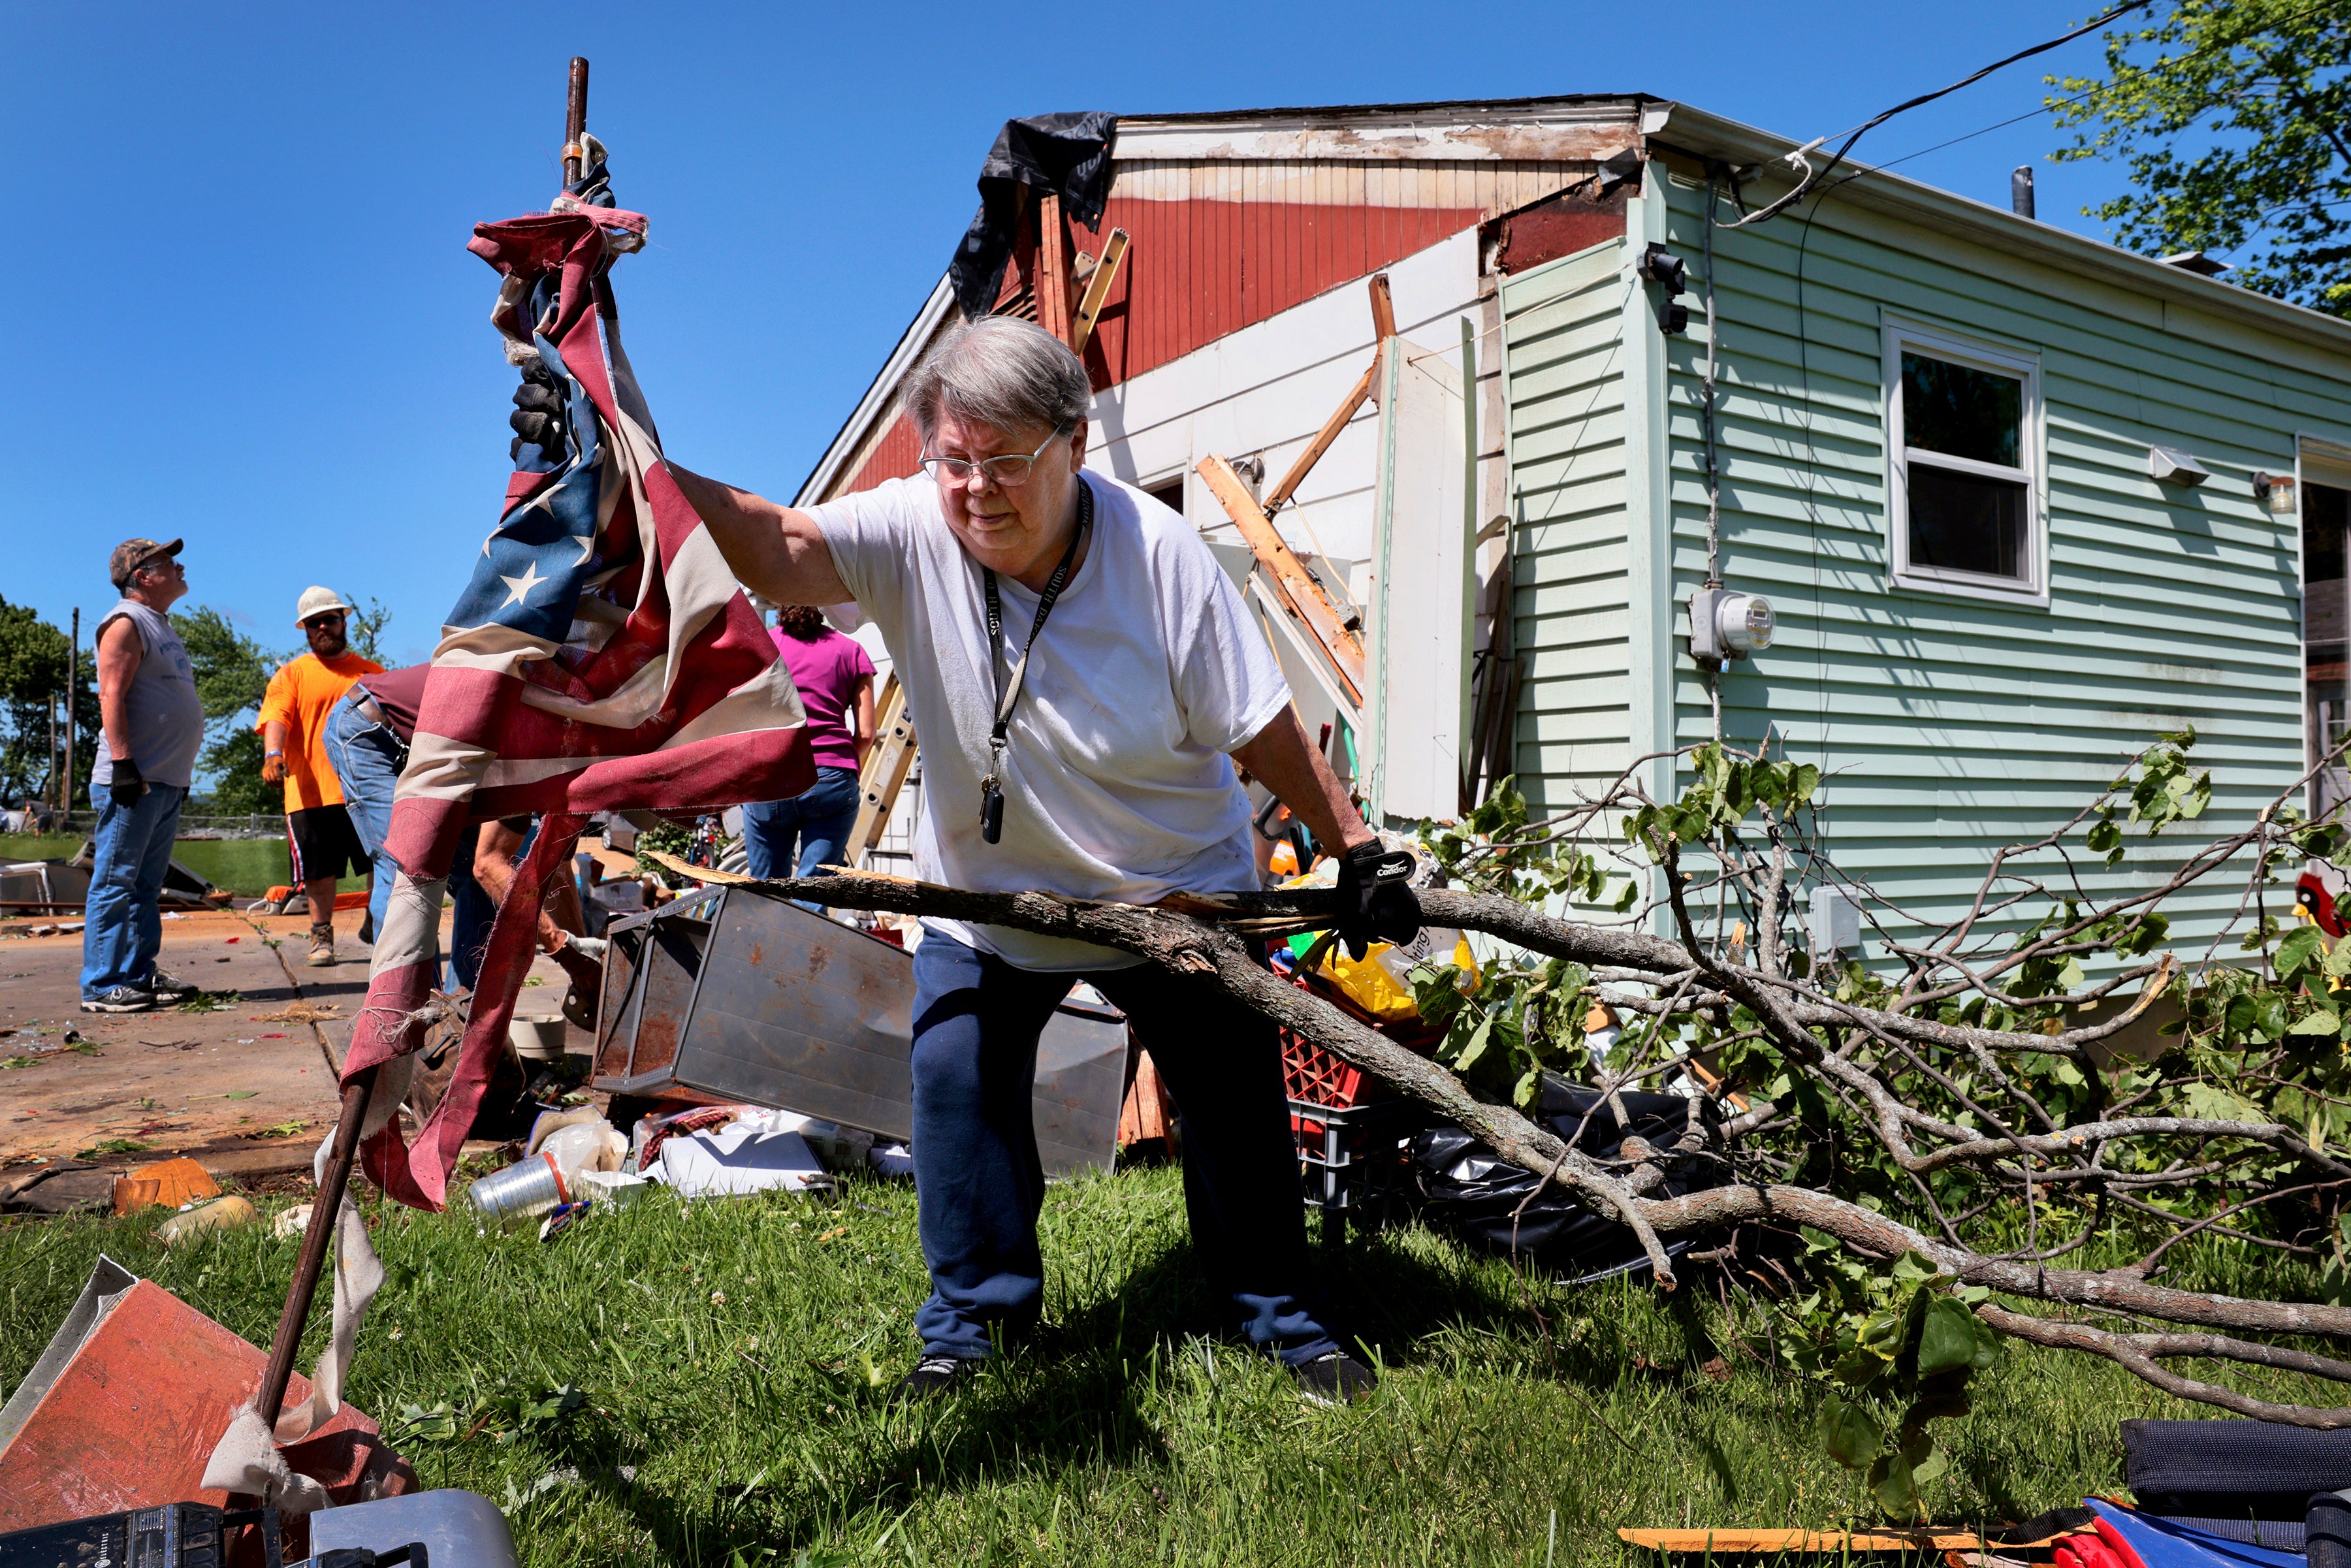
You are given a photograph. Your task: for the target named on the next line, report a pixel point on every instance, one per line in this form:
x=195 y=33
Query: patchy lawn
x=731 y=1361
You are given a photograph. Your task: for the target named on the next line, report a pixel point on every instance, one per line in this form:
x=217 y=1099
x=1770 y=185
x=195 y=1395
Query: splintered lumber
x=1742 y=1541
x=1300 y=594
x=1090 y=308
x=1052 y=268
x=1383 y=328
x=886 y=767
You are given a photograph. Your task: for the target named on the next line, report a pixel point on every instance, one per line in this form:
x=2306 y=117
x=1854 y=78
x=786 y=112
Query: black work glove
x=127 y=785
x=538 y=418
x=1375 y=901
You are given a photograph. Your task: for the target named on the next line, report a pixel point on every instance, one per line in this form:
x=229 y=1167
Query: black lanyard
x=1008 y=691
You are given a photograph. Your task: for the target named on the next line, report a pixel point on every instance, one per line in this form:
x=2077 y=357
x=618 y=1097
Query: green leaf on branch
x=1947 y=1340
x=1892 y=1482
x=1849 y=1434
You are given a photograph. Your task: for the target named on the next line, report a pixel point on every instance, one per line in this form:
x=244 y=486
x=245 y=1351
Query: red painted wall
x=1198 y=270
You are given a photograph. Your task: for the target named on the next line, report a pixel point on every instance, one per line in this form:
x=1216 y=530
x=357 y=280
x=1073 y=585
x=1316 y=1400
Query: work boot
x=936 y=1375
x=1336 y=1379
x=169 y=990
x=322 y=947
x=367 y=928
x=121 y=999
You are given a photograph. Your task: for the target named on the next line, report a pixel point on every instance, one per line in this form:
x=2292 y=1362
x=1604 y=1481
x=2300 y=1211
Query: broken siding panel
x=1564 y=396
x=1948 y=727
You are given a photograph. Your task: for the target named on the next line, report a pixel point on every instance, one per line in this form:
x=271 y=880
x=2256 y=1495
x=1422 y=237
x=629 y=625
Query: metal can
x=520 y=1193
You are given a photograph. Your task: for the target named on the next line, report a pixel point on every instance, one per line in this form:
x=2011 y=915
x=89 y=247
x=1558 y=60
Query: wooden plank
x=1383 y=328
x=884 y=774
x=1052 y=268
x=1301 y=595
x=1332 y=426
x=1382 y=309
x=1763 y=1541
x=1098 y=288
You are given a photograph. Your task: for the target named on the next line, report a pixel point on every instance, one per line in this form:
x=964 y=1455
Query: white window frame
x=2032 y=468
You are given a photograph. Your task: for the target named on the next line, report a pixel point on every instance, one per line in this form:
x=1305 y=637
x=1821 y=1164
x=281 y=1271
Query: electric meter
x=1726 y=625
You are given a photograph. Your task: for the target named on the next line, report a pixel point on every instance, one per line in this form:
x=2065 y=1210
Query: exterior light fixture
x=2277 y=490
x=1671 y=272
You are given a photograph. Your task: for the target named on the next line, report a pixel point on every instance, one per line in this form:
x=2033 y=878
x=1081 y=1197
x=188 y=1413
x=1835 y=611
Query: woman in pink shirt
x=835 y=679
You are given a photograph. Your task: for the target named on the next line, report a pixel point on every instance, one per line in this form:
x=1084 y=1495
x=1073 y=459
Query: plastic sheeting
x=1065 y=154
x=1468 y=1190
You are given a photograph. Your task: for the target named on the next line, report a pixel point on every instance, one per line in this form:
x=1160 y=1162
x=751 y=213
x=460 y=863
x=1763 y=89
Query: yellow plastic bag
x=1373 y=984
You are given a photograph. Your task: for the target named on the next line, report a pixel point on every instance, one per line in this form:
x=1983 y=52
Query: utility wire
x=1813 y=177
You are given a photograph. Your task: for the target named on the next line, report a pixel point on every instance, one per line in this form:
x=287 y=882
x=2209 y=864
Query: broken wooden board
x=1300 y=596
x=1738 y=1541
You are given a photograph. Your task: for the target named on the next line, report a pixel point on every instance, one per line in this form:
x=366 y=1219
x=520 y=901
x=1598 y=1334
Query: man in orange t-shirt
x=293 y=728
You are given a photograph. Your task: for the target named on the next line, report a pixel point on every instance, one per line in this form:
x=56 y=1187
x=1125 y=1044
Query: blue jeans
x=979 y=1185
x=471 y=910
x=121 y=928
x=367 y=758
x=820 y=820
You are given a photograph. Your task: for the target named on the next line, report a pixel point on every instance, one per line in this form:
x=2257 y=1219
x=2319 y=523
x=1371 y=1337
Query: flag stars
x=587 y=543
x=518 y=587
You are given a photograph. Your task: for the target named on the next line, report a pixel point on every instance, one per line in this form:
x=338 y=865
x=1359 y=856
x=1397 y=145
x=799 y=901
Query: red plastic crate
x=1311 y=1073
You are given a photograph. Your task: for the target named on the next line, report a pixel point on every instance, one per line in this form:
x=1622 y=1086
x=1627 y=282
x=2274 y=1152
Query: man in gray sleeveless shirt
x=153 y=724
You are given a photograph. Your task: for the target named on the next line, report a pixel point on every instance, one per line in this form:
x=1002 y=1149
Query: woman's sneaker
x=934 y=1375
x=169 y=990
x=121 y=999
x=1336 y=1379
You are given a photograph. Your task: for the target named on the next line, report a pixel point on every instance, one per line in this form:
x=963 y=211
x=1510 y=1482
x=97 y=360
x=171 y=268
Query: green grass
x=756 y=1430
x=249 y=867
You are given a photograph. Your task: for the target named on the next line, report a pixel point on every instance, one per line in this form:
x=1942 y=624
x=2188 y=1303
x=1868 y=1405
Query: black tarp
x=1065 y=154
x=1466 y=1189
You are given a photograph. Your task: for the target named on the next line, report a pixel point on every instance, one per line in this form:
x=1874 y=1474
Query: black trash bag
x=1469 y=1190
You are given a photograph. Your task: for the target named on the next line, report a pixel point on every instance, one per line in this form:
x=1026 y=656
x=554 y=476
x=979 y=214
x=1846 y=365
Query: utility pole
x=73 y=682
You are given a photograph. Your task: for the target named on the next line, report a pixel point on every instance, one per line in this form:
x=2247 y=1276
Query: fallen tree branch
x=1187 y=946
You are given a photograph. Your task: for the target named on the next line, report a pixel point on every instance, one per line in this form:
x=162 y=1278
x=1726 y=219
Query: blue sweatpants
x=979 y=1186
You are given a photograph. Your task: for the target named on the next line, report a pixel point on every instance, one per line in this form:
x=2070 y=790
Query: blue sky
x=240 y=307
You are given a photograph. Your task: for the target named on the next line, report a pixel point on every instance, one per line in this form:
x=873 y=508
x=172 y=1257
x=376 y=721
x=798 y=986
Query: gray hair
x=1000 y=372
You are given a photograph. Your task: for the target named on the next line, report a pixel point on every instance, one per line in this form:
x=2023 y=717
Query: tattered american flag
x=602 y=658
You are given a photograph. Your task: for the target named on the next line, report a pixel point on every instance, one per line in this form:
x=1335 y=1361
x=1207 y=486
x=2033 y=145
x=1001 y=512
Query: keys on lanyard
x=1008 y=688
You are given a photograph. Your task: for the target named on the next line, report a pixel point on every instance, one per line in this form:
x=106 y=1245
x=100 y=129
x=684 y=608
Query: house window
x=1169 y=493
x=1965 y=504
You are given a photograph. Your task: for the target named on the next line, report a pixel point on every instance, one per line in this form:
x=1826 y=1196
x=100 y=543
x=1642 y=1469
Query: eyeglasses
x=1012 y=469
x=329 y=618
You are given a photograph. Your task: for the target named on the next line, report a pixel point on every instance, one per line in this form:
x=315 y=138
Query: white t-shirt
x=1116 y=784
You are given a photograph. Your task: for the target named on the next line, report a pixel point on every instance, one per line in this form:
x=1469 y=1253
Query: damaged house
x=2016 y=500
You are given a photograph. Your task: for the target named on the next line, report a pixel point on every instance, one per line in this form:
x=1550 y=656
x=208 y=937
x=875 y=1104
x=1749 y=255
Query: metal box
x=744 y=997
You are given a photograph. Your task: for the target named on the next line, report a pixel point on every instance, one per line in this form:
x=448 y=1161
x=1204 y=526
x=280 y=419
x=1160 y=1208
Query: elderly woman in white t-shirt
x=1007 y=576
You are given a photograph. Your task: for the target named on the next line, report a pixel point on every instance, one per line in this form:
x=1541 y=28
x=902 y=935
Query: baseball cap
x=317 y=602
x=131 y=554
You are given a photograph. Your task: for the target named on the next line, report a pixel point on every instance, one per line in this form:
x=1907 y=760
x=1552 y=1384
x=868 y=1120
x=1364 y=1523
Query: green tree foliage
x=231 y=674
x=2234 y=119
x=33 y=661
x=365 y=628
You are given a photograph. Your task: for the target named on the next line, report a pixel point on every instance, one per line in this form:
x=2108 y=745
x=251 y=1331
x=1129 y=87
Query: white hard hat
x=317 y=602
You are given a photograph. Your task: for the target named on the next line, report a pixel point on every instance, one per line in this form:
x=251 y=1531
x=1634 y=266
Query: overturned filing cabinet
x=741 y=996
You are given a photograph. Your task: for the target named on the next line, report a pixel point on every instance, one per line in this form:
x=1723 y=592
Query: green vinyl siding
x=1564 y=391
x=1946 y=726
